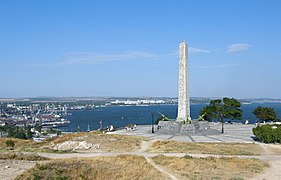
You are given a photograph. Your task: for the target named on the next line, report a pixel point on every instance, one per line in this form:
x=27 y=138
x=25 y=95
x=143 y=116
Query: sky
x=130 y=48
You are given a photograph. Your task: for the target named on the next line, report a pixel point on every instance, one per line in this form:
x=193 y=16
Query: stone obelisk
x=183 y=86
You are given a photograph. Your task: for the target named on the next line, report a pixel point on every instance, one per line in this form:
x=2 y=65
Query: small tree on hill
x=228 y=108
x=265 y=113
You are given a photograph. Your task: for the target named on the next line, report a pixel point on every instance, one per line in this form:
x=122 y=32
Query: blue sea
x=120 y=116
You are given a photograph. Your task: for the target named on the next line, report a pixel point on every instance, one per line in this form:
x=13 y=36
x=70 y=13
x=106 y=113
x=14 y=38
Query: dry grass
x=21 y=156
x=212 y=168
x=119 y=167
x=108 y=142
x=26 y=146
x=206 y=148
x=115 y=142
x=20 y=144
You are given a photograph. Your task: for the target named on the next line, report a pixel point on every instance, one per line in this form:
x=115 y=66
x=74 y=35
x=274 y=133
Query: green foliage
x=37 y=128
x=59 y=132
x=10 y=144
x=206 y=113
x=28 y=132
x=265 y=113
x=53 y=131
x=268 y=133
x=220 y=109
x=228 y=108
x=18 y=132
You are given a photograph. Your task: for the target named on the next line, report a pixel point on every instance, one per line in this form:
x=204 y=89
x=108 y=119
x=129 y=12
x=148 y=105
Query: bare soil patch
x=9 y=169
x=271 y=149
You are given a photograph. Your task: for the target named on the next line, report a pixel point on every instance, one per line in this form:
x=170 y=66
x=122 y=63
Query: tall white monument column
x=183 y=86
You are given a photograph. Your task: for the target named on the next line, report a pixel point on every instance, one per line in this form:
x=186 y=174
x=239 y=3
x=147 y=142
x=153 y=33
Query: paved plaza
x=233 y=133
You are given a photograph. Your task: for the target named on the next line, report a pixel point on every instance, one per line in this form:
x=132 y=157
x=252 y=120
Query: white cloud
x=237 y=47
x=197 y=50
x=85 y=58
x=93 y=58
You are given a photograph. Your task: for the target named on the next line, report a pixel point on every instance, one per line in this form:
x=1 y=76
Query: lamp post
x=152 y=122
x=222 y=128
x=101 y=125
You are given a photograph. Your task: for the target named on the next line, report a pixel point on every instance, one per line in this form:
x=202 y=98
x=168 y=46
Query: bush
x=10 y=144
x=268 y=133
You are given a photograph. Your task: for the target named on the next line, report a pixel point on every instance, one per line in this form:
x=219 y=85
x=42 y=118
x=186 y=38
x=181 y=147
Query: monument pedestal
x=195 y=128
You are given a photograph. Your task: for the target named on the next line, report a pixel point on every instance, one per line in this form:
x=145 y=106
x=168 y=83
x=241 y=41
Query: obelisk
x=183 y=85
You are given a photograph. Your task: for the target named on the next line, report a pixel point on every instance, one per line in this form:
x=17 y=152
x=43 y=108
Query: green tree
x=37 y=128
x=227 y=108
x=265 y=114
x=10 y=131
x=20 y=133
x=28 y=132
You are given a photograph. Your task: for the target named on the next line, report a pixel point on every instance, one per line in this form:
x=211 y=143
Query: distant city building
x=138 y=102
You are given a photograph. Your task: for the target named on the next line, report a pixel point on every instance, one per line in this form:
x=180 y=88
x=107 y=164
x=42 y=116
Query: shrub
x=268 y=133
x=10 y=144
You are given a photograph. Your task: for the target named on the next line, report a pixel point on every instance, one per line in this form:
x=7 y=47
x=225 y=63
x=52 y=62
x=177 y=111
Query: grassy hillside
x=206 y=148
x=123 y=166
x=212 y=168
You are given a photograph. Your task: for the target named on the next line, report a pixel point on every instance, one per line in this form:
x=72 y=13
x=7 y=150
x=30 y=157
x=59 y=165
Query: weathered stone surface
x=183 y=85
x=195 y=128
x=169 y=126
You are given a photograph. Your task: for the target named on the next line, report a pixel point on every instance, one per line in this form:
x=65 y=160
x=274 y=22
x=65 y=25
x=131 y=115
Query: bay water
x=120 y=116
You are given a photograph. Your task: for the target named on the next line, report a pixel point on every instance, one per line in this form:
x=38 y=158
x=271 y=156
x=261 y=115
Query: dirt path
x=161 y=169
x=273 y=172
x=9 y=169
x=144 y=147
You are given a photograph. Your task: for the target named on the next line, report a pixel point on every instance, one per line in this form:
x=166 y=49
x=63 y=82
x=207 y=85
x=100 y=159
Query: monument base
x=183 y=120
x=195 y=128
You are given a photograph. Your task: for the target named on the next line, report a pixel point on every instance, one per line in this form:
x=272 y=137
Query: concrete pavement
x=233 y=133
